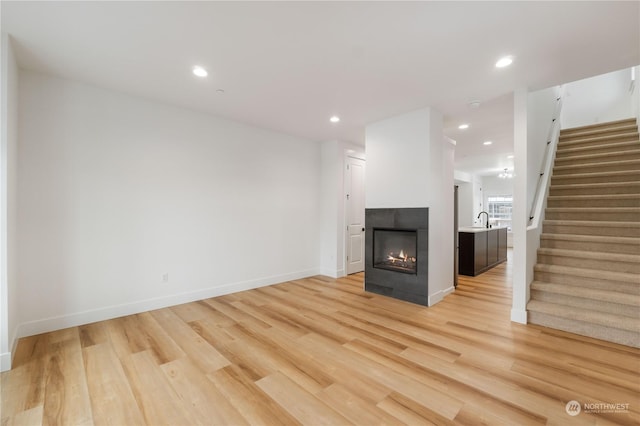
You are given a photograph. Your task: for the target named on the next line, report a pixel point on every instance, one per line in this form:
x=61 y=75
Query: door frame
x=358 y=155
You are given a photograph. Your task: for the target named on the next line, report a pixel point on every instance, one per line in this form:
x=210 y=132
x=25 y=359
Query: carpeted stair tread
x=591 y=238
x=594 y=243
x=603 y=164
x=595 y=141
x=622 y=277
x=596 y=209
x=605 y=175
x=598 y=127
x=596 y=331
x=594 y=200
x=622 y=214
x=622 y=322
x=610 y=146
x=605 y=185
x=609 y=197
x=589 y=223
x=598 y=157
x=588 y=293
x=611 y=257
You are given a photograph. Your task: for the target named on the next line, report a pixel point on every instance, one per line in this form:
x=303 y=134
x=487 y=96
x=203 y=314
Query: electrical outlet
x=165 y=277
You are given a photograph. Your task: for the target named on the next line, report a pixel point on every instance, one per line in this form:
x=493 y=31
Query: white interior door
x=354 y=183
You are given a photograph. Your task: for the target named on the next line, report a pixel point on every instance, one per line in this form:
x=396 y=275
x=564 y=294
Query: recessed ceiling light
x=487 y=143
x=463 y=126
x=504 y=62
x=199 y=71
x=509 y=157
x=334 y=119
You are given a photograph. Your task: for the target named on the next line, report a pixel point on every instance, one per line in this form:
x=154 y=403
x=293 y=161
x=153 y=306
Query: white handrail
x=547 y=160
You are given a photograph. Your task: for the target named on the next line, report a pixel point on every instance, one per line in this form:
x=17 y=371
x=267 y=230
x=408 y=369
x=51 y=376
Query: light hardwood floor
x=321 y=351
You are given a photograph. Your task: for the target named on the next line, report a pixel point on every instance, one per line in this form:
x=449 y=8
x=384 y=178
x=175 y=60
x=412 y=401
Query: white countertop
x=478 y=228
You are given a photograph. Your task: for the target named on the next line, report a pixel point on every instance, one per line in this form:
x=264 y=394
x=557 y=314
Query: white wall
x=329 y=203
x=520 y=295
x=465 y=204
x=465 y=197
x=332 y=205
x=478 y=199
x=598 y=99
x=398 y=155
x=493 y=185
x=8 y=182
x=541 y=106
x=533 y=117
x=410 y=164
x=635 y=93
x=441 y=231
x=116 y=191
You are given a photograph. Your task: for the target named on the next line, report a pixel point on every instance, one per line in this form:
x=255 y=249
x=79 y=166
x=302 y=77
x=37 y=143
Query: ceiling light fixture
x=506 y=174
x=504 y=62
x=509 y=157
x=463 y=126
x=334 y=119
x=487 y=143
x=199 y=71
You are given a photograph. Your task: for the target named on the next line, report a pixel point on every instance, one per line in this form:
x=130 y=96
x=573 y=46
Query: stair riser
x=580 y=159
x=597 y=149
x=570 y=180
x=615 y=335
x=581 y=302
x=592 y=246
x=578 y=262
x=596 y=168
x=609 y=216
x=594 y=140
x=631 y=188
x=594 y=202
x=603 y=231
x=598 y=283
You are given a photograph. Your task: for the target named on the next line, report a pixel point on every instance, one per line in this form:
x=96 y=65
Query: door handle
x=362 y=229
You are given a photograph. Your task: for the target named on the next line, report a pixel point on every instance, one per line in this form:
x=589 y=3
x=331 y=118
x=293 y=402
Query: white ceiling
x=289 y=66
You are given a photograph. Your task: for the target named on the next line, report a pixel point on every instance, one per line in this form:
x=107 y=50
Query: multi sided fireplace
x=395 y=250
x=396 y=253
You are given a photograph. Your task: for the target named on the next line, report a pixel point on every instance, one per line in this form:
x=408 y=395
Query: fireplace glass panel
x=395 y=250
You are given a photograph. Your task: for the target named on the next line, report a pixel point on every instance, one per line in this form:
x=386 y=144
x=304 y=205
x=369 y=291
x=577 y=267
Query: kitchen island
x=480 y=249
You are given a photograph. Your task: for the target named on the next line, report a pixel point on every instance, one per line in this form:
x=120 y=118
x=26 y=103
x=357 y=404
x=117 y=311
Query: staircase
x=587 y=279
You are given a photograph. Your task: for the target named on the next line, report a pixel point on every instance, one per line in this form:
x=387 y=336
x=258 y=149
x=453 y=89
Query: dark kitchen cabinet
x=481 y=250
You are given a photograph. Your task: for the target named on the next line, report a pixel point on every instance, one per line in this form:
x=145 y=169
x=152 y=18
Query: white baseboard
x=333 y=273
x=5 y=361
x=80 y=318
x=6 y=358
x=519 y=316
x=439 y=295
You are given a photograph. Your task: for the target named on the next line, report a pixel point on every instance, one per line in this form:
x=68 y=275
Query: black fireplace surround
x=396 y=253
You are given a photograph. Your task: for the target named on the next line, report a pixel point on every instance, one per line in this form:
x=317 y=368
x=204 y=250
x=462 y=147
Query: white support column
x=520 y=208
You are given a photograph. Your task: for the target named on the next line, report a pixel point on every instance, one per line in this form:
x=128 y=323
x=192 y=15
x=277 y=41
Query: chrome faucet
x=480 y=214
